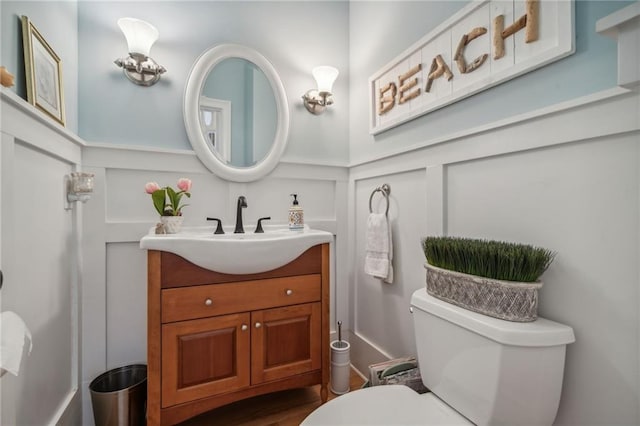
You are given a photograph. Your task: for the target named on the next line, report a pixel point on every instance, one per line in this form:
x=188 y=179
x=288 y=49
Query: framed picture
x=43 y=73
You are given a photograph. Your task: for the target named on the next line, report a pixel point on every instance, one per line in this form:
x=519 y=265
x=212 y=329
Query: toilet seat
x=385 y=405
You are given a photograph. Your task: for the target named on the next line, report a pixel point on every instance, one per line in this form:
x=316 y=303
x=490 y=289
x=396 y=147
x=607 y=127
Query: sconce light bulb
x=325 y=77
x=140 y=35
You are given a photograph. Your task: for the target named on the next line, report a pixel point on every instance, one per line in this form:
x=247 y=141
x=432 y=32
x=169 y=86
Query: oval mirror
x=236 y=113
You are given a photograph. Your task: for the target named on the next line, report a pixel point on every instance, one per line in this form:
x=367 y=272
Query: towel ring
x=386 y=190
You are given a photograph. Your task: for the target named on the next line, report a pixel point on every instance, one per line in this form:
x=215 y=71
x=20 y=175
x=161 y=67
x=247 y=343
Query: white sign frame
x=556 y=40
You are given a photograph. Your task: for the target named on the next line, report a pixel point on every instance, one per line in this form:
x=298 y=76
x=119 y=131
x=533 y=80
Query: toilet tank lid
x=541 y=332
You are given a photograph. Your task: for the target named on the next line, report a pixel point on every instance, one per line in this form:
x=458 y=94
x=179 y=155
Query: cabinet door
x=285 y=342
x=204 y=357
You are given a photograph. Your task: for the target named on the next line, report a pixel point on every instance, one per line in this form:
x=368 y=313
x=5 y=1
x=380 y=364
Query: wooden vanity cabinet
x=217 y=338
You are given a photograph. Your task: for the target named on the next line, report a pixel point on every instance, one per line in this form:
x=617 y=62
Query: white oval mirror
x=236 y=113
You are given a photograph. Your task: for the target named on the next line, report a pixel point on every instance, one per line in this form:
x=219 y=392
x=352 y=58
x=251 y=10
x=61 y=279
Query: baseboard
x=70 y=411
x=362 y=353
x=87 y=408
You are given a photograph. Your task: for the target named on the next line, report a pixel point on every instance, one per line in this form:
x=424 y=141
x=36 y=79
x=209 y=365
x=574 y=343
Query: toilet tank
x=493 y=372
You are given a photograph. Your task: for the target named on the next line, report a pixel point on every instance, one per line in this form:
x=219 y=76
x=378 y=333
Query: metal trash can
x=119 y=396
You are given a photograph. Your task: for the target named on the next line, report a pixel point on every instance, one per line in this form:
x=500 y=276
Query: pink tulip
x=184 y=184
x=151 y=187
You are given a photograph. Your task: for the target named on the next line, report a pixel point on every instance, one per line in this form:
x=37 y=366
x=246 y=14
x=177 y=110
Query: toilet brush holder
x=340 y=367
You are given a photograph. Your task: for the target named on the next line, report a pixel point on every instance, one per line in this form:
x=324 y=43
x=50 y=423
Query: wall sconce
x=317 y=100
x=138 y=66
x=79 y=187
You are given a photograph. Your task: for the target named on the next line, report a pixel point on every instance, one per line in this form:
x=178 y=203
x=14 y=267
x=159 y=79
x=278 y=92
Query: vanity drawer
x=179 y=304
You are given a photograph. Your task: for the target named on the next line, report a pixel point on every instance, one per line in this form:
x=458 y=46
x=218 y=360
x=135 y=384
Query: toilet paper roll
x=13 y=334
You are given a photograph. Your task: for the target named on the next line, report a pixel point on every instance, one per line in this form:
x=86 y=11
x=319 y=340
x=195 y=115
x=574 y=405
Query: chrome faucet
x=242 y=203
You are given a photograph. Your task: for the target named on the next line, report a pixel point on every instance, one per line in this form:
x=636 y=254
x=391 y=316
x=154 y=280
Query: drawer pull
x=289 y=292
x=244 y=327
x=258 y=325
x=208 y=302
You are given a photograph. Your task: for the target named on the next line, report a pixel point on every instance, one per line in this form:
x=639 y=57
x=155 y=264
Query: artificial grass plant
x=486 y=258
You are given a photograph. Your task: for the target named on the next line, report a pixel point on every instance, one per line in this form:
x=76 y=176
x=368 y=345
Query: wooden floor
x=285 y=408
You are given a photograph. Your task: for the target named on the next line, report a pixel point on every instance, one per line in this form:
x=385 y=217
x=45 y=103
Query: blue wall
x=357 y=37
x=57 y=22
x=590 y=69
x=293 y=36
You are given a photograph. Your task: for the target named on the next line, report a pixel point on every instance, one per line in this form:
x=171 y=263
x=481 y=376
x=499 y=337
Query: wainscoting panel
x=114 y=296
x=565 y=178
x=39 y=263
x=389 y=302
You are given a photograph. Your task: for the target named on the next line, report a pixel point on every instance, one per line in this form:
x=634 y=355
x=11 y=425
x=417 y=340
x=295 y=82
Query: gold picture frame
x=43 y=73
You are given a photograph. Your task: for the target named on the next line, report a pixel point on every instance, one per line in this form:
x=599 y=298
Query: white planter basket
x=507 y=300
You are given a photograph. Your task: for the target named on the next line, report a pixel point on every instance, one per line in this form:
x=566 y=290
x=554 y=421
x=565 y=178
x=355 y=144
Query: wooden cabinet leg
x=324 y=393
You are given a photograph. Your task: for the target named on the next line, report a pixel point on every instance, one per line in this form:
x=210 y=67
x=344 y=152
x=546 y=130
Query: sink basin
x=231 y=253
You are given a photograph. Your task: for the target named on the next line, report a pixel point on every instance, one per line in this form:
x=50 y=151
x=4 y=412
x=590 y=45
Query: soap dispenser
x=296 y=215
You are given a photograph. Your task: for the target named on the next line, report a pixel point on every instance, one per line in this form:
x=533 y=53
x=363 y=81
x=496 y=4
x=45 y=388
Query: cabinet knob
x=289 y=292
x=244 y=327
x=208 y=302
x=258 y=325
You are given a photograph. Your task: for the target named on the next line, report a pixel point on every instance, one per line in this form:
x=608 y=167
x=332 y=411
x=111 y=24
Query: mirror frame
x=191 y=110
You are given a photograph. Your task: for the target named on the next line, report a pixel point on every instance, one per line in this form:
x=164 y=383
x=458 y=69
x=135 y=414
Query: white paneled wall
x=39 y=261
x=566 y=178
x=407 y=212
x=114 y=297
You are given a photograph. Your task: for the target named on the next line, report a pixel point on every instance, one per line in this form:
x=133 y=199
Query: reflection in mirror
x=216 y=126
x=238 y=112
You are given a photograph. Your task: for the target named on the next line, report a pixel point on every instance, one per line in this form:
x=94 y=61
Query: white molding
x=308 y=161
x=185 y=161
x=28 y=125
x=94 y=309
x=624 y=26
x=638 y=310
x=141 y=158
x=517 y=126
x=68 y=412
x=363 y=352
x=9 y=97
x=341 y=270
x=436 y=193
x=609 y=25
x=98 y=149
x=310 y=171
x=143 y=148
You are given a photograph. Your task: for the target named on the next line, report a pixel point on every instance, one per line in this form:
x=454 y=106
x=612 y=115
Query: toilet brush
x=340 y=364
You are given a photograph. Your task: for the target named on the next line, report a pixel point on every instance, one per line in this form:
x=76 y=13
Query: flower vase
x=171 y=224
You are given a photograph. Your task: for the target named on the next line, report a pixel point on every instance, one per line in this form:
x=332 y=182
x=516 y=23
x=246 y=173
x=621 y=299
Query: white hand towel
x=379 y=251
x=13 y=333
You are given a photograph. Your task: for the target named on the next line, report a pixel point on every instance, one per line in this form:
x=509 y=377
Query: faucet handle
x=219 y=229
x=259 y=229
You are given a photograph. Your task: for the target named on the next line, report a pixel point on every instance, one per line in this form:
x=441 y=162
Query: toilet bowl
x=385 y=405
x=480 y=370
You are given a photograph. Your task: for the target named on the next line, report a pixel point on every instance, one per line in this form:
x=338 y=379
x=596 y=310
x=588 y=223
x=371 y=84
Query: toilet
x=479 y=370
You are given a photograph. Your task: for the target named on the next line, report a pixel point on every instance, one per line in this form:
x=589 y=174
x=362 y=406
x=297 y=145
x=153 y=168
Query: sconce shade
x=138 y=66
x=325 y=77
x=140 y=35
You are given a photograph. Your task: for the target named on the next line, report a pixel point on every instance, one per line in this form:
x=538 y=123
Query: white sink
x=231 y=253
